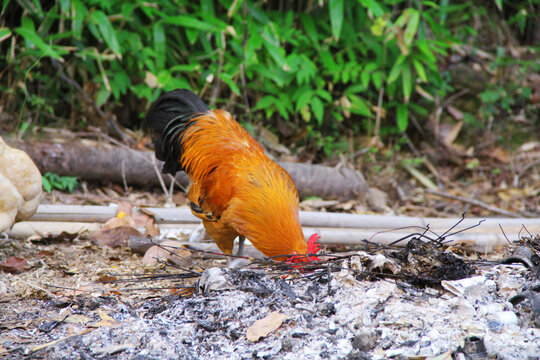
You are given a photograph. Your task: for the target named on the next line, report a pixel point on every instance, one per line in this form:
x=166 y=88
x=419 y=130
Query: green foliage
x=53 y=181
x=325 y=68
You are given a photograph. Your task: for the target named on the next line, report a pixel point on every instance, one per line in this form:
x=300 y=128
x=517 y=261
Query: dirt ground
x=63 y=305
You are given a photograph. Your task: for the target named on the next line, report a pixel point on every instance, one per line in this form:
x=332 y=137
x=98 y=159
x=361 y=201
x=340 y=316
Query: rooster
x=235 y=189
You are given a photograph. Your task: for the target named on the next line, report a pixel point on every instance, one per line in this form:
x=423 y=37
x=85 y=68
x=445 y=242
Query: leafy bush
x=325 y=67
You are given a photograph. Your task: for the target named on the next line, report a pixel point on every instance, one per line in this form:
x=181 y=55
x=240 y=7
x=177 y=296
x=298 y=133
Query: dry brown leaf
x=116 y=222
x=499 y=154
x=265 y=326
x=114 y=237
x=13 y=264
x=126 y=217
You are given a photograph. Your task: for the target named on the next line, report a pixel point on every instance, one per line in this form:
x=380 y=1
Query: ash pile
x=424 y=301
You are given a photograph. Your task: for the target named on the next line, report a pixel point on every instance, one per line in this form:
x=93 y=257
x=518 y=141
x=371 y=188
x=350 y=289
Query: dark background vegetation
x=327 y=77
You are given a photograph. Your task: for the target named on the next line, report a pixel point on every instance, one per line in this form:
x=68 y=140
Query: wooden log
x=93 y=161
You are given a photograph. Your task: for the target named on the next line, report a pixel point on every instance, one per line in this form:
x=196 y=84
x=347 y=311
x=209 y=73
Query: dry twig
x=478 y=203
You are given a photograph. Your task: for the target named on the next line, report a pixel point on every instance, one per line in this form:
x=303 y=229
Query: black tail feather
x=168 y=117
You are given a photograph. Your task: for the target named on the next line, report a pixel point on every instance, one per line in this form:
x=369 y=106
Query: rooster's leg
x=241 y=241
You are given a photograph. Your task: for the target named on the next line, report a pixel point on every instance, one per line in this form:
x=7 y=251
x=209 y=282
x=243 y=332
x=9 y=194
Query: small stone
x=495 y=325
x=358 y=355
x=364 y=340
x=287 y=344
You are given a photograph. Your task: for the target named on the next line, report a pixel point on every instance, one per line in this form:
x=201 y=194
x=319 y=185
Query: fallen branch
x=479 y=203
x=93 y=161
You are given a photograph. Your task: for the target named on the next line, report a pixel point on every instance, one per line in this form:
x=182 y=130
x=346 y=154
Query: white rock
x=507 y=317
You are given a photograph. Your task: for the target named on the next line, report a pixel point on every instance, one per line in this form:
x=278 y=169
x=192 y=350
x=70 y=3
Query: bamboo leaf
x=29 y=34
x=402 y=117
x=4 y=34
x=190 y=22
x=395 y=72
x=420 y=70
x=336 y=17
x=412 y=26
x=106 y=30
x=373 y=6
x=359 y=106
x=407 y=81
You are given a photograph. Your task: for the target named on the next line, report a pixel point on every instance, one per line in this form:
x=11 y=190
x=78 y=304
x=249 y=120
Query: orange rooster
x=235 y=189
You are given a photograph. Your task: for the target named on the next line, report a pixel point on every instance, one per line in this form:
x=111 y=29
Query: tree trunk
x=92 y=161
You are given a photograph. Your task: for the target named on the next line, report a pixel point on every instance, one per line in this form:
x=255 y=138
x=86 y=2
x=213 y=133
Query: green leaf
x=402 y=117
x=318 y=109
x=407 y=81
x=282 y=105
x=29 y=34
x=5 y=3
x=80 y=13
x=309 y=27
x=227 y=79
x=4 y=34
x=420 y=70
x=424 y=48
x=303 y=99
x=377 y=29
x=412 y=26
x=359 y=106
x=324 y=94
x=328 y=62
x=64 y=6
x=276 y=53
x=377 y=78
x=395 y=72
x=207 y=7
x=47 y=186
x=192 y=35
x=336 y=17
x=106 y=30
x=102 y=96
x=191 y=22
x=373 y=6
x=265 y=102
x=159 y=43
